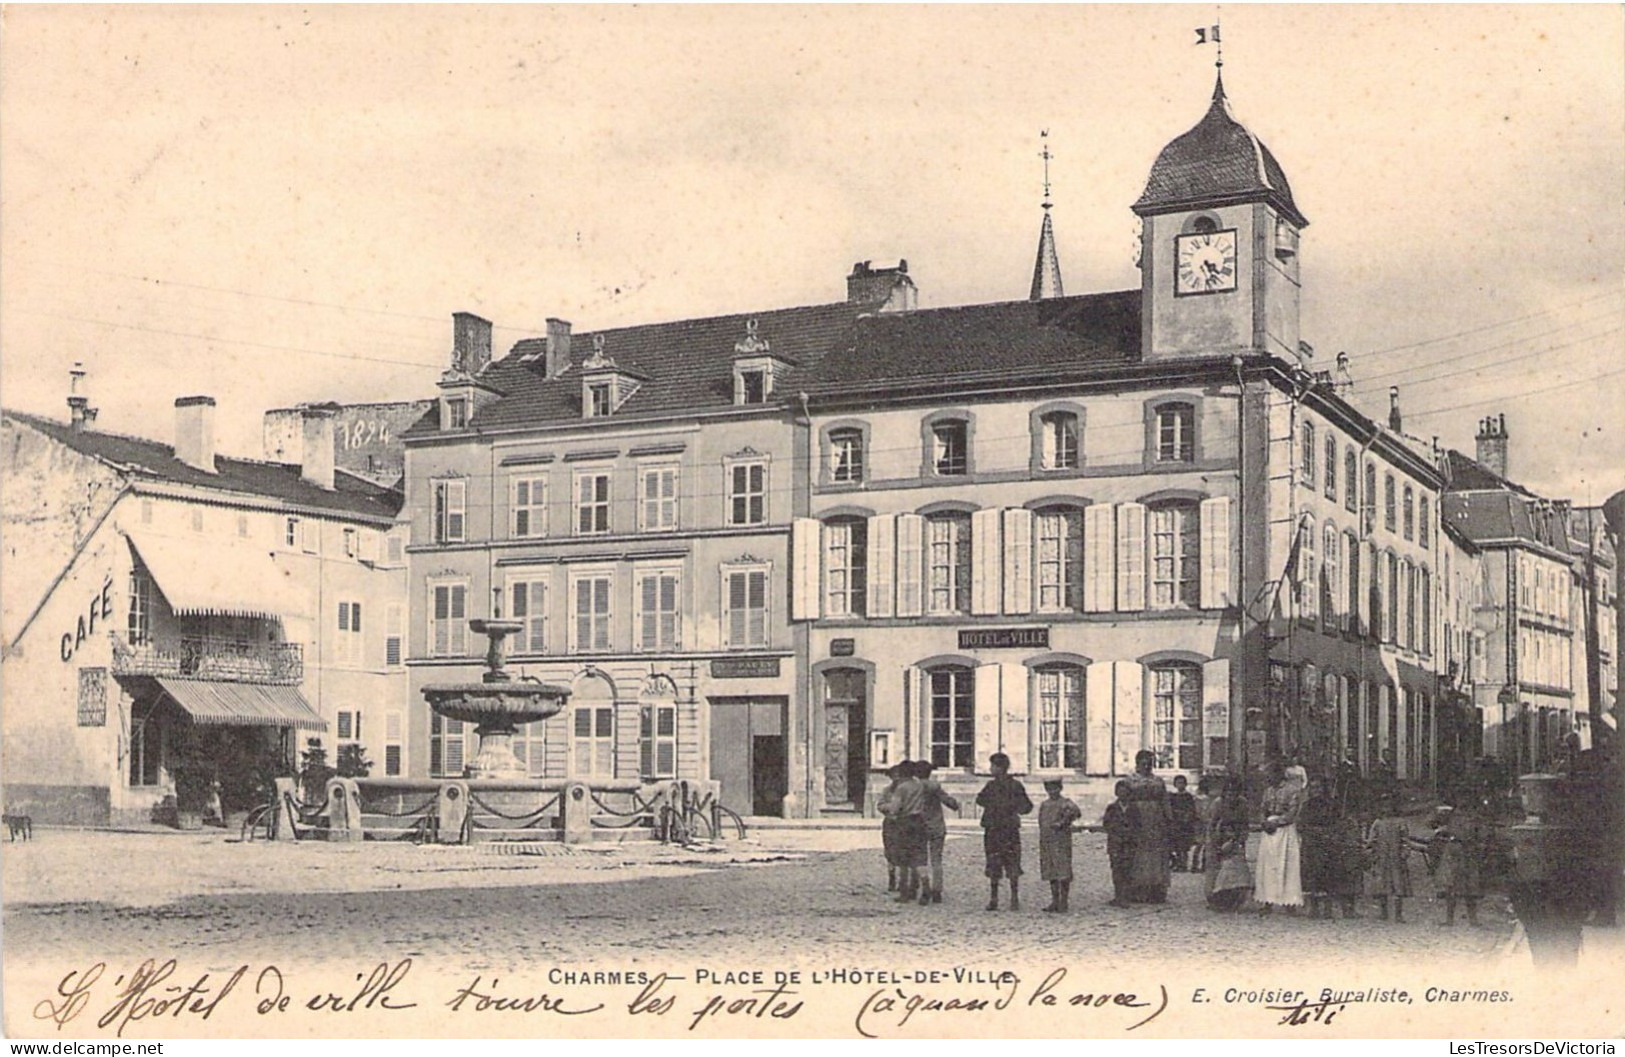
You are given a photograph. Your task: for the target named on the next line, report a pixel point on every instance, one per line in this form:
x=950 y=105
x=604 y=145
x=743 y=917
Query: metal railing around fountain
x=458 y=811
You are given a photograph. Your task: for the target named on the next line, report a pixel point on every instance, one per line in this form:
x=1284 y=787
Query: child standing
x=1055 y=818
x=1118 y=850
x=889 y=826
x=1388 y=848
x=1456 y=851
x=1003 y=801
x=936 y=831
x=1182 y=825
x=908 y=808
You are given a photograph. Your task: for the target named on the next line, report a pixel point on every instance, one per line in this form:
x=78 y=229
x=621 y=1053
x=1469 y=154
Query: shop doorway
x=749 y=756
x=846 y=732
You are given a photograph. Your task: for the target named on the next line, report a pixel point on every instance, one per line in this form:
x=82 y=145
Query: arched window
x=1370 y=500
x=1175 y=555
x=1426 y=614
x=1408 y=601
x=1410 y=513
x=1058 y=694
x=1424 y=522
x=1351 y=547
x=1176 y=715
x=1391 y=585
x=1058 y=443
x=1308 y=599
x=1058 y=533
x=952 y=692
x=592 y=729
x=1390 y=504
x=1306 y=460
x=1351 y=480
x=846 y=559
x=1176 y=432
x=1330 y=587
x=947 y=555
x=846 y=456
x=1331 y=468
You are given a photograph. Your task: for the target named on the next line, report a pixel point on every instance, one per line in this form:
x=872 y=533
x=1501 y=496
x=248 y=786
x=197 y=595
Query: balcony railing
x=188 y=657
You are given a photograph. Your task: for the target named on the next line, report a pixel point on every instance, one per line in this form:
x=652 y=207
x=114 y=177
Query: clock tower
x=1219 y=245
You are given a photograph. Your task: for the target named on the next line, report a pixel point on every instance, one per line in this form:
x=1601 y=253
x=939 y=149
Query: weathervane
x=1210 y=35
x=1043 y=136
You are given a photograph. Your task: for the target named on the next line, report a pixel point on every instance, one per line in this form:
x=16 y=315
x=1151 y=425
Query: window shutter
x=393 y=621
x=1014 y=695
x=878 y=578
x=1363 y=589
x=987 y=562
x=1215 y=556
x=1018 y=561
x=1130 y=556
x=910 y=555
x=987 y=714
x=1127 y=731
x=1097 y=718
x=1215 y=707
x=807 y=548
x=1099 y=557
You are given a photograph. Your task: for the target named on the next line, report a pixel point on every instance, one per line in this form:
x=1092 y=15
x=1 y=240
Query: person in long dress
x=1229 y=880
x=1280 y=881
x=1056 y=814
x=1149 y=827
x=1388 y=847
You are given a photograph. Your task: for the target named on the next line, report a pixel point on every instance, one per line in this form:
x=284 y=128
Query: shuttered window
x=1331 y=468
x=657 y=506
x=747 y=493
x=592 y=612
x=746 y=608
x=659 y=623
x=953 y=717
x=592 y=503
x=528 y=605
x=394 y=728
x=657 y=740
x=1059 y=694
x=529 y=507
x=448 y=620
x=1060 y=560
x=948 y=561
x=446 y=746
x=845 y=566
x=592 y=741
x=450 y=509
x=1175 y=556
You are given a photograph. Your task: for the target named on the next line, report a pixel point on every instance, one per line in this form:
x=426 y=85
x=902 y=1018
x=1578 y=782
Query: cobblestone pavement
x=817 y=896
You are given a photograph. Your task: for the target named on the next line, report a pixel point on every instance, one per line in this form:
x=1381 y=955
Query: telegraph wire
x=1371 y=381
x=1492 y=326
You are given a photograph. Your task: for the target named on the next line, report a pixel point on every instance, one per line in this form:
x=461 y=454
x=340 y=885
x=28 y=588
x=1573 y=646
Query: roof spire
x=1047 y=268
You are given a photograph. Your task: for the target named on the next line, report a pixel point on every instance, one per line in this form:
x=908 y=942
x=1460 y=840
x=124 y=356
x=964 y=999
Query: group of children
x=914 y=831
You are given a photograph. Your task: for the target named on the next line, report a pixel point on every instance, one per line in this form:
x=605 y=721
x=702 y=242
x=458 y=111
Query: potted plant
x=194 y=785
x=314 y=771
x=353 y=762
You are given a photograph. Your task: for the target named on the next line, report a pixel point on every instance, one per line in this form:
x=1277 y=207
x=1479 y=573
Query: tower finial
x=1043 y=136
x=1218 y=41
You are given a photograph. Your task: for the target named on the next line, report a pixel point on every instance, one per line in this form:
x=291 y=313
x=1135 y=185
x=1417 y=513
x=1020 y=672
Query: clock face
x=1205 y=263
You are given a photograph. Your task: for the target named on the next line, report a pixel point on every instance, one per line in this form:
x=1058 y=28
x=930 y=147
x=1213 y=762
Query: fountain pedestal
x=496 y=705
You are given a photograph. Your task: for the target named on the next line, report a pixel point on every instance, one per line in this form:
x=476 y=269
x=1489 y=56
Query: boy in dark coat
x=1003 y=801
x=1118 y=852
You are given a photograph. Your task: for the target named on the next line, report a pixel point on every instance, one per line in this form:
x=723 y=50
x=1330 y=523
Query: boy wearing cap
x=1003 y=801
x=1118 y=850
x=1055 y=818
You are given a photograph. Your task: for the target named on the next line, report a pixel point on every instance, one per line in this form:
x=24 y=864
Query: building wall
x=53 y=499
x=366 y=437
x=703 y=666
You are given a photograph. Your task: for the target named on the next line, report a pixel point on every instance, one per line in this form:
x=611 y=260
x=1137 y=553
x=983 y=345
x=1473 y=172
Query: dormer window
x=456 y=408
x=600 y=399
x=753 y=386
x=755 y=367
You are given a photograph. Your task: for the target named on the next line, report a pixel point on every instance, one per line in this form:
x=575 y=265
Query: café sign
x=745 y=668
x=1004 y=639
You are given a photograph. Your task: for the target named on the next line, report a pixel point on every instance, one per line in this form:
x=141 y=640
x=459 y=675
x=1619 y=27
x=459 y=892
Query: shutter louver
x=1127 y=728
x=1018 y=561
x=987 y=562
x=807 y=547
x=987 y=714
x=1013 y=695
x=1130 y=557
x=910 y=558
x=879 y=574
x=1097 y=720
x=1099 y=558
x=1215 y=556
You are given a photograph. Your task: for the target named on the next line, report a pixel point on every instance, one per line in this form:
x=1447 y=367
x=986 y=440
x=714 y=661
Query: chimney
x=558 y=346
x=1342 y=380
x=470 y=342
x=1395 y=421
x=316 y=420
x=1492 y=443
x=887 y=289
x=194 y=432
x=78 y=403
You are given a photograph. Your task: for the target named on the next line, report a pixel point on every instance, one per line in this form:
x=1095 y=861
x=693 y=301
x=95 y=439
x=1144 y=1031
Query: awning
x=202 y=576
x=242 y=704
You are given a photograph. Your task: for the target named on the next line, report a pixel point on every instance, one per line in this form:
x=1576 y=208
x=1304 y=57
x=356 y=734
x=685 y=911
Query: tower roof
x=1217 y=162
x=1047 y=268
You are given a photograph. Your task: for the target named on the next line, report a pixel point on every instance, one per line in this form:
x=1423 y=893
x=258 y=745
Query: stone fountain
x=497 y=704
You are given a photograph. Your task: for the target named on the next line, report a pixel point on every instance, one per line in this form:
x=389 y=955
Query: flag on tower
x=1207 y=35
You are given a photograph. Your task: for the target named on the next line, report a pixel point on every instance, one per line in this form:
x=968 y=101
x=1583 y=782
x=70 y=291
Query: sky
x=274 y=205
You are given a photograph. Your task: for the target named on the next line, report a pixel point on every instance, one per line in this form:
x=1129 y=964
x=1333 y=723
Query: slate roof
x=688 y=365
x=1217 y=161
x=683 y=366
x=1009 y=338
x=148 y=459
x=1483 y=506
